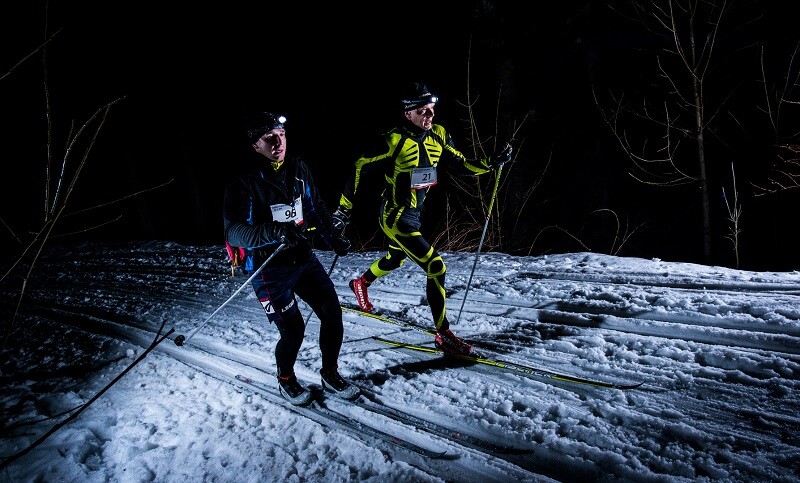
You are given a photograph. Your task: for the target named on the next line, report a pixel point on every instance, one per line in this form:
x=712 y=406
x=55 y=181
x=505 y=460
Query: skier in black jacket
x=408 y=156
x=273 y=206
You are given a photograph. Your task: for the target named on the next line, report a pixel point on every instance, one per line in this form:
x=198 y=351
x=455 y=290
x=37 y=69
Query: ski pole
x=480 y=244
x=181 y=339
x=330 y=270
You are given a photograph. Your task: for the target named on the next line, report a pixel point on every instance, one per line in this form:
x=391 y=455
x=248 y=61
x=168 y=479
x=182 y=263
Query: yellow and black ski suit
x=409 y=158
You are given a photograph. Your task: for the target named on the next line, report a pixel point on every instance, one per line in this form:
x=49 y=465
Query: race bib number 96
x=284 y=213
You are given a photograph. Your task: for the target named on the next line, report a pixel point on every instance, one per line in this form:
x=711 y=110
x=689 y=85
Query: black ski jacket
x=248 y=212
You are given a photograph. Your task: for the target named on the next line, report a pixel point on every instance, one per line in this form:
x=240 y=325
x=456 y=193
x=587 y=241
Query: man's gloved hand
x=501 y=157
x=287 y=233
x=292 y=234
x=340 y=218
x=340 y=245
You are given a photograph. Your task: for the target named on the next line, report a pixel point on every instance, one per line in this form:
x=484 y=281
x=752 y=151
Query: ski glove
x=340 y=218
x=288 y=233
x=340 y=245
x=501 y=157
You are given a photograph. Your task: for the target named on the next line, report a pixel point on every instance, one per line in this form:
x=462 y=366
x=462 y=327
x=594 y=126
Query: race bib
x=284 y=213
x=423 y=177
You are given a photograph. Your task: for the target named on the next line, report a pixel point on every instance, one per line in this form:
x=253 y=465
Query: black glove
x=293 y=235
x=340 y=245
x=287 y=233
x=340 y=218
x=501 y=157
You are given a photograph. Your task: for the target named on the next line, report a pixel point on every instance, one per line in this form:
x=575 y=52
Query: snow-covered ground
x=717 y=351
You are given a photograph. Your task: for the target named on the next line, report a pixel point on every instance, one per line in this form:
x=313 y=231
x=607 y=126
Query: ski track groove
x=249 y=362
x=222 y=361
x=530 y=324
x=709 y=329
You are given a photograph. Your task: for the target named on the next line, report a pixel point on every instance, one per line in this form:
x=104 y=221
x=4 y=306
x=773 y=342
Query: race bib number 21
x=423 y=177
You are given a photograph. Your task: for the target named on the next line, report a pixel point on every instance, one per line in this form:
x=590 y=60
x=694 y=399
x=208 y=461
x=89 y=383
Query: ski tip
x=513 y=450
x=628 y=386
x=442 y=455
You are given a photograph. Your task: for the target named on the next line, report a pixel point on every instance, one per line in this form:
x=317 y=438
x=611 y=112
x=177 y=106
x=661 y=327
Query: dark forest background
x=654 y=129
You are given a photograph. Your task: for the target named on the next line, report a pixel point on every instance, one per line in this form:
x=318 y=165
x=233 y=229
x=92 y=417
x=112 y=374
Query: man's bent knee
x=436 y=267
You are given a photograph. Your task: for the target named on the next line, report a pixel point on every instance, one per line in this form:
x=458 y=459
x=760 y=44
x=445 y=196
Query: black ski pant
x=276 y=288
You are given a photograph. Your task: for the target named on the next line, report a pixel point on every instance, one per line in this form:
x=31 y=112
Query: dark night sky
x=188 y=70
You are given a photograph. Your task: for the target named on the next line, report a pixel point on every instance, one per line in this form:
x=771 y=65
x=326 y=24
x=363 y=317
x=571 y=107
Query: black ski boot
x=293 y=391
x=335 y=383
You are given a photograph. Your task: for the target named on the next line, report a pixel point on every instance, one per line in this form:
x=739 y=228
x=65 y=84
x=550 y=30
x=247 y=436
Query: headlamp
x=409 y=104
x=263 y=123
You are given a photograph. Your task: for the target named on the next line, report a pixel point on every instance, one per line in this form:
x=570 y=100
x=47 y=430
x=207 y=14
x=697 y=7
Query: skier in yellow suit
x=409 y=155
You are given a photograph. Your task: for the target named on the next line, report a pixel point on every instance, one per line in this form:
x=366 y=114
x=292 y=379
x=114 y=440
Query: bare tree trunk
x=697 y=88
x=689 y=32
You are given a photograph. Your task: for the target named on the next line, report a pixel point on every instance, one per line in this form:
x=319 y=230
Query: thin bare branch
x=104 y=109
x=22 y=61
x=131 y=195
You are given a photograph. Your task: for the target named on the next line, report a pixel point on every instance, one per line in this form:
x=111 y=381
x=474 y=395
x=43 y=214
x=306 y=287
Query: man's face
x=272 y=145
x=422 y=117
